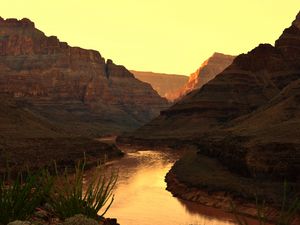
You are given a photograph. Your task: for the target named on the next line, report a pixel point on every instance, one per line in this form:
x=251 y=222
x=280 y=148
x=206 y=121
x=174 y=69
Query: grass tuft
x=19 y=198
x=69 y=198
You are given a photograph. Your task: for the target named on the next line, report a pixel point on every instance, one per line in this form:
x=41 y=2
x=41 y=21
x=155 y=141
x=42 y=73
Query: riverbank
x=43 y=198
x=141 y=189
x=17 y=155
x=203 y=180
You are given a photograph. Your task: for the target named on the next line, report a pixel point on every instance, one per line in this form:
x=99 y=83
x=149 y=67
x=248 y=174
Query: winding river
x=141 y=197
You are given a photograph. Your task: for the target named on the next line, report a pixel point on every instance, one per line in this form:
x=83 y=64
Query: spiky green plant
x=19 y=198
x=69 y=197
x=289 y=210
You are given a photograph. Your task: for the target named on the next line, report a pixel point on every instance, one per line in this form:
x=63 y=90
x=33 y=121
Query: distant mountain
x=247 y=116
x=167 y=85
x=206 y=72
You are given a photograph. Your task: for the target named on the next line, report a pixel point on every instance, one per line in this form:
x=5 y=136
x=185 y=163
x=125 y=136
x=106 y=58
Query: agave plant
x=69 y=197
x=19 y=198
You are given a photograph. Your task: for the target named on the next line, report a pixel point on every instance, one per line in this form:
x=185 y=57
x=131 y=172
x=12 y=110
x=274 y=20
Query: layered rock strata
x=71 y=83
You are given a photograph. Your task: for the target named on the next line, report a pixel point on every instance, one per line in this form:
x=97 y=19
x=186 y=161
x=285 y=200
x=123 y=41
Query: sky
x=159 y=35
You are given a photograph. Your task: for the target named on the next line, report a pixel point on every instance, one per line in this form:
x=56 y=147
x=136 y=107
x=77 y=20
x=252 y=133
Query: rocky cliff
x=166 y=85
x=71 y=85
x=206 y=72
x=247 y=116
x=54 y=99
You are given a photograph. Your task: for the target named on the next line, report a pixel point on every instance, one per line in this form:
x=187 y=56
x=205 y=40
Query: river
x=141 y=197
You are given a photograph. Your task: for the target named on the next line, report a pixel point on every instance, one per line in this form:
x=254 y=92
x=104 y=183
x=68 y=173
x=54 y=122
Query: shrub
x=69 y=198
x=19 y=198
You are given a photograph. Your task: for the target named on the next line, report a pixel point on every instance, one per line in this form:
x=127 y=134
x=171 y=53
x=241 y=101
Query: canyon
x=246 y=119
x=240 y=114
x=174 y=87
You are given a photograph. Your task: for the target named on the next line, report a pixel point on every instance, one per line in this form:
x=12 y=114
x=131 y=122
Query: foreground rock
x=75 y=220
x=82 y=220
x=247 y=117
x=19 y=222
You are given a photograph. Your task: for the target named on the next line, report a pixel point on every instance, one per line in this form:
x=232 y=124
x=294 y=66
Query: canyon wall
x=71 y=85
x=206 y=72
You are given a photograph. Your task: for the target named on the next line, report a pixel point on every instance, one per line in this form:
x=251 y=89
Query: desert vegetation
x=65 y=194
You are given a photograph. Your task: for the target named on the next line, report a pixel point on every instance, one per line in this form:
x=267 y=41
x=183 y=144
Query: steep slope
x=269 y=136
x=264 y=143
x=248 y=83
x=17 y=121
x=28 y=140
x=206 y=72
x=244 y=116
x=167 y=85
x=71 y=85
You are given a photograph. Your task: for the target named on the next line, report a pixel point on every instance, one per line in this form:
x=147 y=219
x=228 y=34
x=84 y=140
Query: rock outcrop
x=247 y=116
x=206 y=72
x=166 y=85
x=72 y=85
x=83 y=220
x=50 y=219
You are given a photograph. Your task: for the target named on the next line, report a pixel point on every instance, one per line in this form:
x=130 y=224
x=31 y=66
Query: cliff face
x=173 y=87
x=166 y=85
x=248 y=115
x=71 y=84
x=206 y=72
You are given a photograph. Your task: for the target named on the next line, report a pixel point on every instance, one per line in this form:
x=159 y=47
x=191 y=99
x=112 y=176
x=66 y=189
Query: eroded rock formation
x=206 y=72
x=71 y=84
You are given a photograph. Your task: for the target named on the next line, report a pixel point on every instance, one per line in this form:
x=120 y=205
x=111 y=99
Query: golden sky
x=171 y=36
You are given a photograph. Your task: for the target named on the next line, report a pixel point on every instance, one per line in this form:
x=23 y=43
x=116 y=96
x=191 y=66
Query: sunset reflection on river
x=141 y=197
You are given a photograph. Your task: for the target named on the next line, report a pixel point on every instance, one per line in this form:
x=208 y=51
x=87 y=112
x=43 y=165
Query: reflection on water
x=141 y=198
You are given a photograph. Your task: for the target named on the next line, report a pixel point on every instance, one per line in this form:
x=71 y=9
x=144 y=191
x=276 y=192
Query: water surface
x=141 y=197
